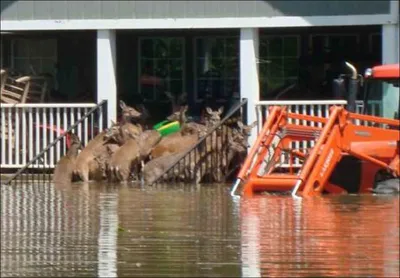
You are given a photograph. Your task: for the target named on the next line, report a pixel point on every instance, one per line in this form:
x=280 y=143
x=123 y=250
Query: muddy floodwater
x=101 y=231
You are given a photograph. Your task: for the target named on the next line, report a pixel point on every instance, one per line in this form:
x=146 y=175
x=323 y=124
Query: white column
x=106 y=72
x=249 y=83
x=390 y=43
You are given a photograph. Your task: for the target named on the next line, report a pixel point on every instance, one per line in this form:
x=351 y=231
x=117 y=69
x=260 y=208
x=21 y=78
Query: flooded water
x=100 y=231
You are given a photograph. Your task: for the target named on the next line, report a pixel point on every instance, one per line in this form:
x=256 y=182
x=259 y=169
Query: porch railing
x=26 y=129
x=46 y=170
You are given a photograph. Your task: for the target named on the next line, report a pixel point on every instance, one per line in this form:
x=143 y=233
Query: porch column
x=249 y=83
x=390 y=43
x=106 y=72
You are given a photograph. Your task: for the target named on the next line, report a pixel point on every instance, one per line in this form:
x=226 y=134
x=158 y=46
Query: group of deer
x=125 y=150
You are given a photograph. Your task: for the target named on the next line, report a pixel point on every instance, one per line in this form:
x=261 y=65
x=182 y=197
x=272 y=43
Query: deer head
x=179 y=115
x=75 y=146
x=128 y=112
x=176 y=101
x=75 y=140
x=246 y=129
x=145 y=113
x=113 y=133
x=213 y=117
x=238 y=142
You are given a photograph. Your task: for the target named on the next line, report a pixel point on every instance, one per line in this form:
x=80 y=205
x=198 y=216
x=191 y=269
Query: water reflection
x=107 y=254
x=101 y=231
x=46 y=232
x=332 y=236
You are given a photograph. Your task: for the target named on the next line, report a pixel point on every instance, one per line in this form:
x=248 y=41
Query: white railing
x=26 y=129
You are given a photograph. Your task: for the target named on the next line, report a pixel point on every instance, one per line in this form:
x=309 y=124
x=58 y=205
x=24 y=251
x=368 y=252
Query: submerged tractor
x=346 y=152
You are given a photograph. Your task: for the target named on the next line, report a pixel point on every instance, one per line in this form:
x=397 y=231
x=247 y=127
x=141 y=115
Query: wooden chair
x=25 y=89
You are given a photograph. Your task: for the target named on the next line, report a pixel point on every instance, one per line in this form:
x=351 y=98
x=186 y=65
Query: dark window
x=216 y=67
x=161 y=67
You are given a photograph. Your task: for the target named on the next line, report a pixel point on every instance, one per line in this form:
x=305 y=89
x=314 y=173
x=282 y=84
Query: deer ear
x=209 y=110
x=253 y=124
x=113 y=123
x=221 y=110
x=122 y=104
x=240 y=124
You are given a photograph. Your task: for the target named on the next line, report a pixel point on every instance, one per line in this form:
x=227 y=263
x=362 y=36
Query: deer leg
x=83 y=173
x=141 y=173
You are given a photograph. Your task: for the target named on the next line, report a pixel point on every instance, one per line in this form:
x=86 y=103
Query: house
x=109 y=49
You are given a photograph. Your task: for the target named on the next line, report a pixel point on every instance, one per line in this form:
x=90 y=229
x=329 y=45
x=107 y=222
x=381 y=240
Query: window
x=344 y=44
x=161 y=67
x=278 y=61
x=216 y=67
x=34 y=56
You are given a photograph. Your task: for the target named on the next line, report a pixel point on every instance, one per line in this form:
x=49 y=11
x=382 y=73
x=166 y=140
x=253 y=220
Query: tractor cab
x=381 y=91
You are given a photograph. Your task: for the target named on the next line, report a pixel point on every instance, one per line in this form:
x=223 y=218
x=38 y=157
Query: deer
x=63 y=171
x=157 y=166
x=90 y=161
x=153 y=169
x=133 y=151
x=176 y=101
x=188 y=136
x=86 y=167
x=130 y=114
x=226 y=148
x=194 y=165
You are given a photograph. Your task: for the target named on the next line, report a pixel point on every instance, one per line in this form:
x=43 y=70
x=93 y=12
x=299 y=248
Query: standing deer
x=90 y=161
x=188 y=136
x=133 y=151
x=86 y=167
x=156 y=167
x=63 y=173
x=130 y=114
x=216 y=160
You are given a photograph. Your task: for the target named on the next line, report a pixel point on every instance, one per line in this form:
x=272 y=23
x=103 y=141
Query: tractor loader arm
x=371 y=144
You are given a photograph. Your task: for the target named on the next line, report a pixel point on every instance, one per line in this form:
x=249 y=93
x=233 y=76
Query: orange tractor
x=347 y=152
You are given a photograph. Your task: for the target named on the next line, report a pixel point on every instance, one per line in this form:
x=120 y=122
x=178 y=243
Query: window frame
x=139 y=65
x=265 y=59
x=196 y=97
x=14 y=58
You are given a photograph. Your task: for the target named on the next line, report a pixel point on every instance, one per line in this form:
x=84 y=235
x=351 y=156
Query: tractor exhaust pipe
x=353 y=88
x=354 y=73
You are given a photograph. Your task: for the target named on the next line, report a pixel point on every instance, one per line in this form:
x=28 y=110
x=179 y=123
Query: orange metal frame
x=376 y=147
